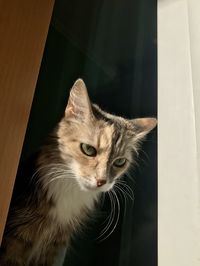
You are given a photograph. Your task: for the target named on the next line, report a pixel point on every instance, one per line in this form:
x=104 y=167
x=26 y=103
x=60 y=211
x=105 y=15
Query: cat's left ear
x=142 y=126
x=79 y=105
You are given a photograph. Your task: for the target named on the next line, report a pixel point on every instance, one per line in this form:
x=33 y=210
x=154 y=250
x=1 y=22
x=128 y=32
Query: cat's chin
x=86 y=187
x=90 y=188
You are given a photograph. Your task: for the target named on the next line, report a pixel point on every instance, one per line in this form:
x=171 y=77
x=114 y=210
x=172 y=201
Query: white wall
x=179 y=132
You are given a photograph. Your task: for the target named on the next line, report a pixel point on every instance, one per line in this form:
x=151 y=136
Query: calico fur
x=62 y=190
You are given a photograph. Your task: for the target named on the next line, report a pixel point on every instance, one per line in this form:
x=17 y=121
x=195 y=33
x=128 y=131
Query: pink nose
x=101 y=182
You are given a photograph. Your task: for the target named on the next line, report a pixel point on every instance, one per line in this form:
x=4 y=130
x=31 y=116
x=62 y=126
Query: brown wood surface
x=23 y=31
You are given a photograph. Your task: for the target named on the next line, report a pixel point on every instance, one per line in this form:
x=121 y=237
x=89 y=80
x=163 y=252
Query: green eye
x=120 y=162
x=88 y=150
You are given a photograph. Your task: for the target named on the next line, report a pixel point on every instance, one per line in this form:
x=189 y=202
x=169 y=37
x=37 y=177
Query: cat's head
x=99 y=146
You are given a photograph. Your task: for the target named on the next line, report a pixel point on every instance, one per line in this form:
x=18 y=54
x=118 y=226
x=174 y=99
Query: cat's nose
x=101 y=182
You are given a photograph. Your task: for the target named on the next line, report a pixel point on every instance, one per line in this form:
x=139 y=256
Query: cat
x=85 y=156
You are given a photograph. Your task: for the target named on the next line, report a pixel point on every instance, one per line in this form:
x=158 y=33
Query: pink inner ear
x=79 y=105
x=145 y=124
x=148 y=123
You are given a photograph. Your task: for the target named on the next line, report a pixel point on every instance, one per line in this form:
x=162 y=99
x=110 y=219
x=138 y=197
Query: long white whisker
x=124 y=194
x=58 y=172
x=60 y=177
x=110 y=217
x=63 y=176
x=127 y=190
x=49 y=166
x=118 y=213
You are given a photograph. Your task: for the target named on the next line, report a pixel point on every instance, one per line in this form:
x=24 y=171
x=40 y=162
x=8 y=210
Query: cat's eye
x=120 y=162
x=88 y=150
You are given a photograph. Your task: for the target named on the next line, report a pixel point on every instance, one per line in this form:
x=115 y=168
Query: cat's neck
x=70 y=203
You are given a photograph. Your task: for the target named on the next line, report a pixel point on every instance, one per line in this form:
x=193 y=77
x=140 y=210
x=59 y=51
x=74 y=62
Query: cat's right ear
x=79 y=105
x=142 y=126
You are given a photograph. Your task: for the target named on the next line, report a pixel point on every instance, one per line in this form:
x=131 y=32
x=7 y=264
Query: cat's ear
x=79 y=105
x=142 y=126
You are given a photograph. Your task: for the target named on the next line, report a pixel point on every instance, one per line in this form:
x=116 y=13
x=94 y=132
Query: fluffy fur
x=64 y=187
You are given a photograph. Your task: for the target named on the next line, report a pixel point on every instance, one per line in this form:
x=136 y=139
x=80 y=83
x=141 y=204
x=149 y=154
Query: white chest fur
x=70 y=201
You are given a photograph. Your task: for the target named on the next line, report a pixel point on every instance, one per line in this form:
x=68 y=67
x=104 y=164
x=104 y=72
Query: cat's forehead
x=115 y=140
x=105 y=134
x=98 y=133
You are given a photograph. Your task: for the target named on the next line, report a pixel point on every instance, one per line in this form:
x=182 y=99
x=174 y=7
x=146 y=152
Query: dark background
x=111 y=44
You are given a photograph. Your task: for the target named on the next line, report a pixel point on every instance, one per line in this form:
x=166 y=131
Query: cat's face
x=99 y=146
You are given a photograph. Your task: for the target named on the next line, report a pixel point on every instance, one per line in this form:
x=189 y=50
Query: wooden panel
x=23 y=30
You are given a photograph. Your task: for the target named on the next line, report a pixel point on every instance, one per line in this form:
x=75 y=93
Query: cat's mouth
x=95 y=186
x=86 y=186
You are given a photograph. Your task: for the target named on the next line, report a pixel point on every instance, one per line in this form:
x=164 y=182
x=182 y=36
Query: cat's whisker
x=124 y=196
x=123 y=191
x=59 y=172
x=110 y=218
x=52 y=175
x=49 y=166
x=46 y=178
x=118 y=213
x=58 y=177
x=127 y=189
x=123 y=182
x=114 y=197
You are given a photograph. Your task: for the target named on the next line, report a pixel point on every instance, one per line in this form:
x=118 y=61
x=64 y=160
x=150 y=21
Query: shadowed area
x=112 y=46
